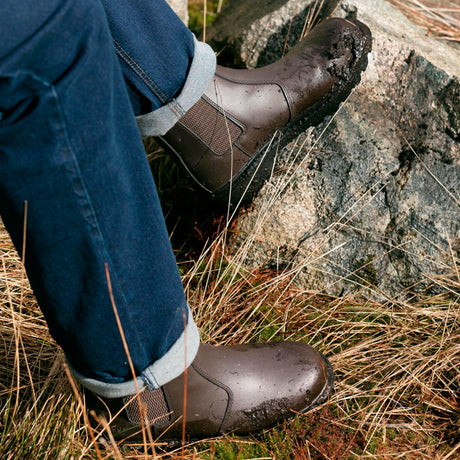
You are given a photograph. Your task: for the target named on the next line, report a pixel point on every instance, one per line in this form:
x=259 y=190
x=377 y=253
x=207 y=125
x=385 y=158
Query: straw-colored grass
x=397 y=367
x=397 y=363
x=440 y=18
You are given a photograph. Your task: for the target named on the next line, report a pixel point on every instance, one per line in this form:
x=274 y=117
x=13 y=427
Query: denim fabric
x=150 y=40
x=202 y=70
x=162 y=371
x=70 y=147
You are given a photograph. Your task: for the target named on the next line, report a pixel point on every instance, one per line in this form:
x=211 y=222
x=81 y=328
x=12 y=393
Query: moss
x=227 y=449
x=364 y=272
x=196 y=14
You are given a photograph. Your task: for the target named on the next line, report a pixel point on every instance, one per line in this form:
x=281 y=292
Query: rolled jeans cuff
x=202 y=70
x=167 y=368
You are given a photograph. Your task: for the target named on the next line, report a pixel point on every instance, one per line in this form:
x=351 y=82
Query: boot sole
x=253 y=176
x=328 y=388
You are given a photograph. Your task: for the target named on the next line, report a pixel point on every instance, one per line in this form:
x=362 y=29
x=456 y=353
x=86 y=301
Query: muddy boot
x=241 y=389
x=228 y=139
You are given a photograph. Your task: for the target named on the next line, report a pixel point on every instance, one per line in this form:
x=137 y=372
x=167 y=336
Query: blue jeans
x=70 y=147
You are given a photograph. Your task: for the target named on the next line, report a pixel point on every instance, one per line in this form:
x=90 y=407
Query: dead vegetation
x=440 y=18
x=397 y=363
x=397 y=367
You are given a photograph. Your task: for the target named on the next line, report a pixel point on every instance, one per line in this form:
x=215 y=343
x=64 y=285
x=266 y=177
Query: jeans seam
x=149 y=378
x=140 y=72
x=176 y=108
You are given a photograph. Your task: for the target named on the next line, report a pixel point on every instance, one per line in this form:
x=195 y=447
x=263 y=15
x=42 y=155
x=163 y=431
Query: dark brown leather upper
x=241 y=389
x=242 y=109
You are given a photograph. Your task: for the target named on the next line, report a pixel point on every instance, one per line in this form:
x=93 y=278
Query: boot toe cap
x=266 y=383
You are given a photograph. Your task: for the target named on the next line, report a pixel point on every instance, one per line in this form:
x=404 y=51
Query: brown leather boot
x=228 y=139
x=241 y=389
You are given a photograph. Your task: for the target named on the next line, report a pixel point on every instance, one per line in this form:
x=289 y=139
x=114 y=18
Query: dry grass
x=397 y=363
x=439 y=17
x=397 y=367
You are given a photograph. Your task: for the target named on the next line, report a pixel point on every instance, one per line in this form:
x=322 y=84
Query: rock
x=369 y=201
x=252 y=36
x=180 y=7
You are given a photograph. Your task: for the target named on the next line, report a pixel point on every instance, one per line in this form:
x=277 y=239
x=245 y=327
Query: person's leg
x=224 y=135
x=150 y=39
x=70 y=148
x=229 y=139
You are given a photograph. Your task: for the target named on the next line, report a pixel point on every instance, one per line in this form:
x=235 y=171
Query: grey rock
x=180 y=7
x=369 y=201
x=256 y=33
